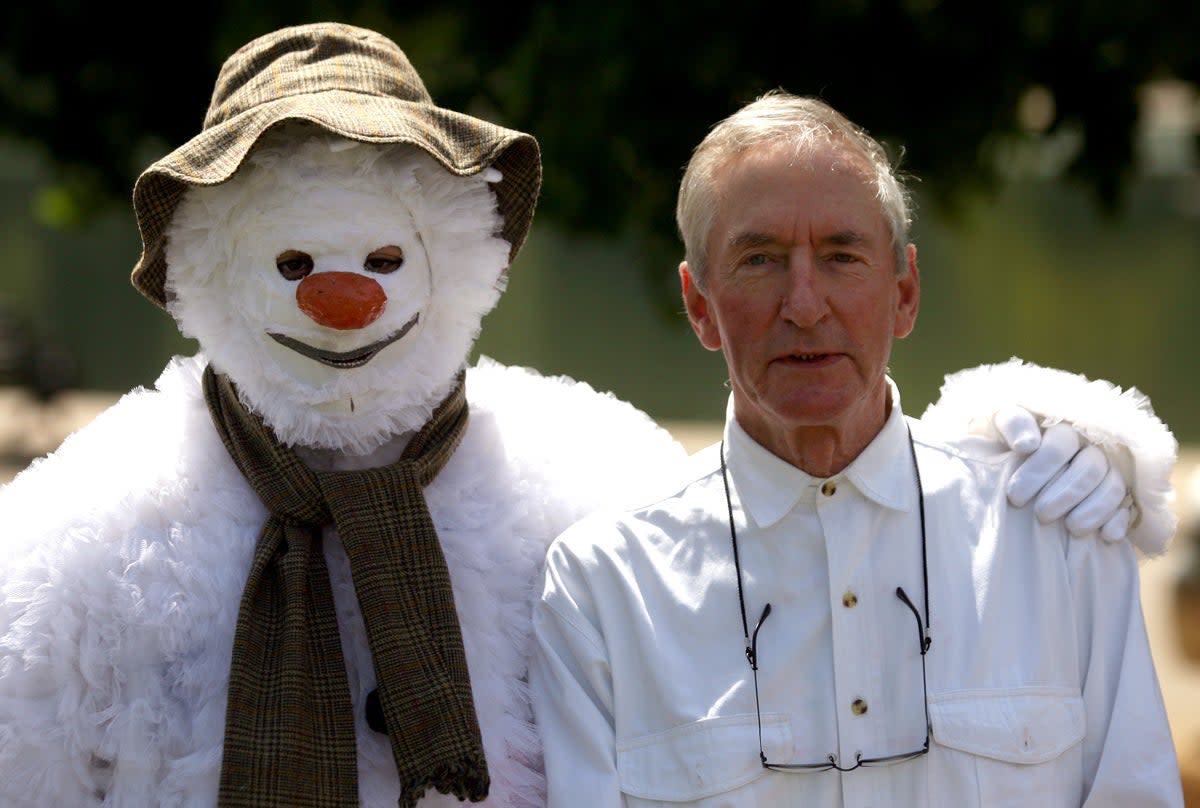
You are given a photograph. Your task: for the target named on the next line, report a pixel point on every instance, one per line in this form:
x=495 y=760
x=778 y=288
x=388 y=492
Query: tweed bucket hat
x=349 y=81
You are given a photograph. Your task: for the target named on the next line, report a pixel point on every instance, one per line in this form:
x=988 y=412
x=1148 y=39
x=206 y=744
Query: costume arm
x=572 y=693
x=87 y=603
x=1129 y=756
x=44 y=654
x=1121 y=423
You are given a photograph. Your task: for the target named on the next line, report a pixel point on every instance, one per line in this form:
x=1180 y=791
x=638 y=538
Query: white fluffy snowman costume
x=130 y=544
x=126 y=551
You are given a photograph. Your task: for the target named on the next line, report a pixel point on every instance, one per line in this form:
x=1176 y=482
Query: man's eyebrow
x=847 y=238
x=750 y=239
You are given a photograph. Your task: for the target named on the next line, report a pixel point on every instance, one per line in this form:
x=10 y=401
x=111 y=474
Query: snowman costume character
x=299 y=570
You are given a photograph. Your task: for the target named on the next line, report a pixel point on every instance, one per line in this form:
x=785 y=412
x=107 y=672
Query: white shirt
x=1041 y=689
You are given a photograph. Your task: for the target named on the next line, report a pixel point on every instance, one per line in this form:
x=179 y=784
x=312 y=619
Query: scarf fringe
x=466 y=779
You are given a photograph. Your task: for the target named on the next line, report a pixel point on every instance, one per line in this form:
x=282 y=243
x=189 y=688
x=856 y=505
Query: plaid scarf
x=289 y=726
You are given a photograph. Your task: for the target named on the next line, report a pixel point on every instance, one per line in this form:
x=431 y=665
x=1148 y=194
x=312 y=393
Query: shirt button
x=849 y=600
x=858 y=707
x=829 y=488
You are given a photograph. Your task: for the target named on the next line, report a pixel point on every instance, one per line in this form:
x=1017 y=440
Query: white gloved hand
x=1119 y=422
x=1070 y=477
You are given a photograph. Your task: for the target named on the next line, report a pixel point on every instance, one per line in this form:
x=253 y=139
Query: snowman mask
x=340 y=285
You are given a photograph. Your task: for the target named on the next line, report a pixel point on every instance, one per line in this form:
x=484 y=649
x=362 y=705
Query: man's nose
x=804 y=301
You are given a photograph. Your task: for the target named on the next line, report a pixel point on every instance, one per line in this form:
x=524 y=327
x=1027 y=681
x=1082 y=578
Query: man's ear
x=909 y=301
x=698 y=310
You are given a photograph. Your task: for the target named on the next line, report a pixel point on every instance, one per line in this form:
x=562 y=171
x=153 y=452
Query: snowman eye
x=384 y=260
x=293 y=264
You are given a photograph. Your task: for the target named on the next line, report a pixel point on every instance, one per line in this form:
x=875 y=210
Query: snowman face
x=340 y=286
x=337 y=291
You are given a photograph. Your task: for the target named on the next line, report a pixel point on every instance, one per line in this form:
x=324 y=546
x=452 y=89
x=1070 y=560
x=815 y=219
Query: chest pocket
x=700 y=761
x=1008 y=745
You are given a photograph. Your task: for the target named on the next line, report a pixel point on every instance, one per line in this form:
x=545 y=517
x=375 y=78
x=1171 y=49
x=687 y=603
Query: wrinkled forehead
x=772 y=193
x=779 y=170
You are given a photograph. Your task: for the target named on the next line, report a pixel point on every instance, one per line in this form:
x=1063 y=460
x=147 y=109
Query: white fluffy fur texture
x=1121 y=422
x=336 y=200
x=125 y=552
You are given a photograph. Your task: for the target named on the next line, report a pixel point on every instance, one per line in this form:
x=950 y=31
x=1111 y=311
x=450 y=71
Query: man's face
x=802 y=294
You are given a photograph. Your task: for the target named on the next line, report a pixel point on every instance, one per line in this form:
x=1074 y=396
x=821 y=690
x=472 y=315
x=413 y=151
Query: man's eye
x=293 y=264
x=757 y=260
x=384 y=260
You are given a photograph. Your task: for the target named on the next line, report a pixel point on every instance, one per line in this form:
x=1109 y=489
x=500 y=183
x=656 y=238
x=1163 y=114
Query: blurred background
x=1053 y=145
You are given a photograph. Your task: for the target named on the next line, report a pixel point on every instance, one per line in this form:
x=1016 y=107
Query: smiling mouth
x=344 y=360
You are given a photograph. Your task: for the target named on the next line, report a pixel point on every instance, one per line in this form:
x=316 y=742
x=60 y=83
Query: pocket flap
x=700 y=759
x=1021 y=725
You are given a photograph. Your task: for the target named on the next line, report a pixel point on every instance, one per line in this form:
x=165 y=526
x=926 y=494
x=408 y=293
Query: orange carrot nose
x=341 y=300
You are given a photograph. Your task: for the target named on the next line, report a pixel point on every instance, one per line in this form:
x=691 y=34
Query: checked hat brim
x=346 y=80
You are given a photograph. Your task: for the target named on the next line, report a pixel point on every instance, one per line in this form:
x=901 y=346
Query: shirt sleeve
x=1129 y=756
x=571 y=688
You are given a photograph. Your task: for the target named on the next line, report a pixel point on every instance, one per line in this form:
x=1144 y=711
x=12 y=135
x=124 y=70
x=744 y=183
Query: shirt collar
x=768 y=486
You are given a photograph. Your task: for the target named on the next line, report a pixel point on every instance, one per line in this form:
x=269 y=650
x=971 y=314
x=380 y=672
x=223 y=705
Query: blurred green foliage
x=618 y=93
x=1041 y=232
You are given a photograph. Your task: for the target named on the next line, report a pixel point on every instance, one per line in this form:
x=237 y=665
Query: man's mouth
x=344 y=360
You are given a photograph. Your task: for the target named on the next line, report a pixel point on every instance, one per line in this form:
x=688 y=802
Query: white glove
x=1070 y=477
x=1120 y=422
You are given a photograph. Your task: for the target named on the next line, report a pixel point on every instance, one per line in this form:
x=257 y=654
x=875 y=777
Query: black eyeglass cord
x=751 y=639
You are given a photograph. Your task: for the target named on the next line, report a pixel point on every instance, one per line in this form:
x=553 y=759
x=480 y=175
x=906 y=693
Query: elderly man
x=837 y=605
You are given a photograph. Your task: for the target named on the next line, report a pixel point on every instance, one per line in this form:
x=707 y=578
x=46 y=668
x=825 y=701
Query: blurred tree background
x=1055 y=142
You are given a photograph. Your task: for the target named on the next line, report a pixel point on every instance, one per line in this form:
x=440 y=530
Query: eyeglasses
x=831 y=762
x=924 y=640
